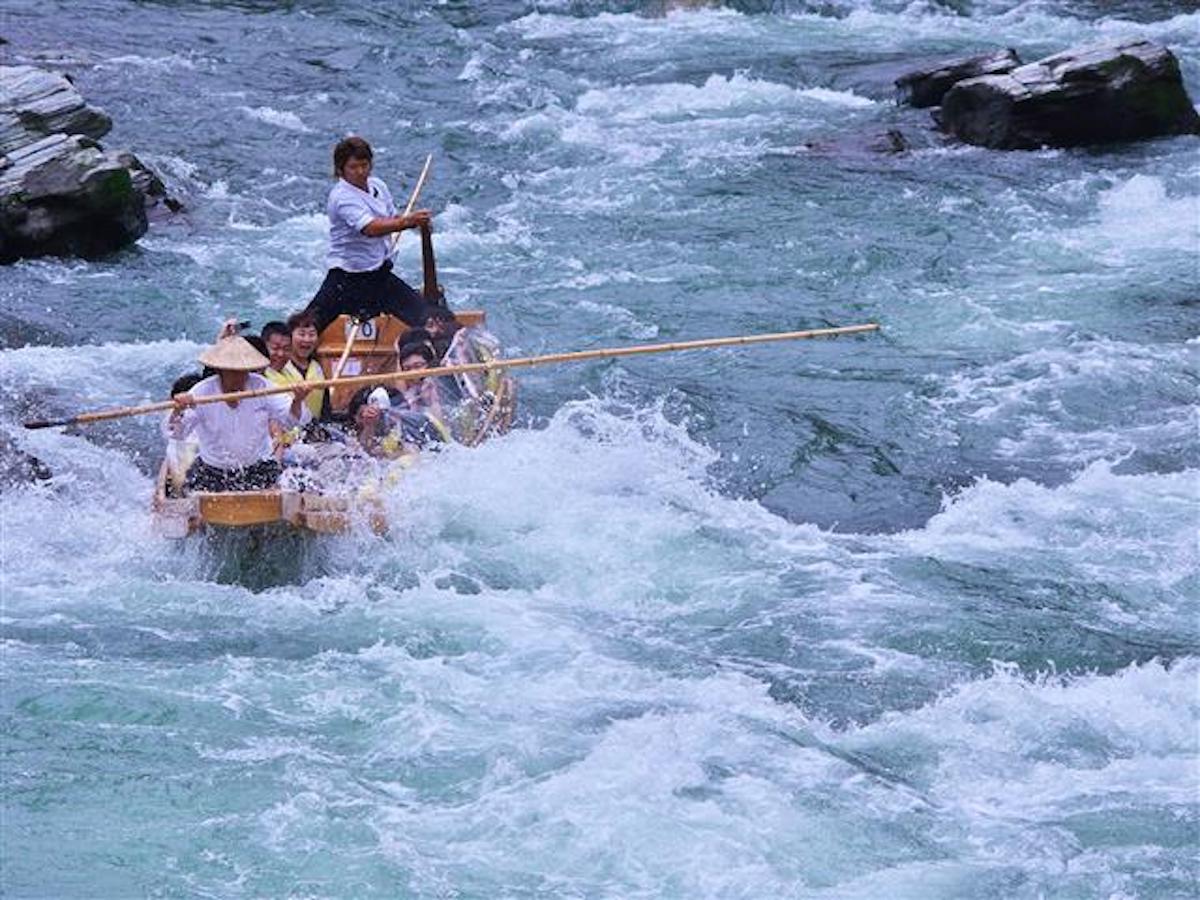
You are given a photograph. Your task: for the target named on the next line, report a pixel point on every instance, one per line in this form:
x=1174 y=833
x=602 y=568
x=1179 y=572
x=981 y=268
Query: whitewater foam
x=285 y=119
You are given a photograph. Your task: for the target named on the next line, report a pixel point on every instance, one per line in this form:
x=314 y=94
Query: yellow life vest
x=283 y=377
x=278 y=376
x=439 y=426
x=392 y=443
x=290 y=374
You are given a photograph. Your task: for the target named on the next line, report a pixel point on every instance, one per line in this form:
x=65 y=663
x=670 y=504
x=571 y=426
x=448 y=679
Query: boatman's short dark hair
x=347 y=149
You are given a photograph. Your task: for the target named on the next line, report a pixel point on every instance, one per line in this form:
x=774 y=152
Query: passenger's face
x=356 y=171
x=366 y=417
x=412 y=362
x=279 y=350
x=304 y=341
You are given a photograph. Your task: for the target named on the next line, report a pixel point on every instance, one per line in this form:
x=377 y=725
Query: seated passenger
x=386 y=426
x=417 y=394
x=278 y=340
x=303 y=365
x=235 y=452
x=277 y=347
x=441 y=326
x=367 y=412
x=416 y=335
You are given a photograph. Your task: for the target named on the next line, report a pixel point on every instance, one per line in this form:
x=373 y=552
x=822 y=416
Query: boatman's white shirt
x=349 y=211
x=232 y=437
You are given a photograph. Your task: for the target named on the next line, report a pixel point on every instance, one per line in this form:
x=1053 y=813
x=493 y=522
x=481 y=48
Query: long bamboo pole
x=515 y=363
x=395 y=241
x=412 y=202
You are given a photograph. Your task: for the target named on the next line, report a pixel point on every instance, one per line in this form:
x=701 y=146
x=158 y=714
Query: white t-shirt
x=349 y=211
x=232 y=437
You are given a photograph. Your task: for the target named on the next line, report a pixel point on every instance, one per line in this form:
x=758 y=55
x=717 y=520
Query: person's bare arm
x=391 y=224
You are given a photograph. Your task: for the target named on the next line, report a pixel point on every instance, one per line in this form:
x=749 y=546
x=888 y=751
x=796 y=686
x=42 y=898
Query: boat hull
x=178 y=517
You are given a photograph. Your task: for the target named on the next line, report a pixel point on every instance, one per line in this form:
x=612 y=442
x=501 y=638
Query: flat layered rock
x=61 y=193
x=35 y=103
x=1089 y=95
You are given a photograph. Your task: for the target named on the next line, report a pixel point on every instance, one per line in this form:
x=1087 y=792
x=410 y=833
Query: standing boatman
x=362 y=214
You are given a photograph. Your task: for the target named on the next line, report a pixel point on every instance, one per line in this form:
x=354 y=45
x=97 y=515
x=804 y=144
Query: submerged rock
x=872 y=142
x=1088 y=95
x=61 y=193
x=892 y=141
x=926 y=87
x=17 y=466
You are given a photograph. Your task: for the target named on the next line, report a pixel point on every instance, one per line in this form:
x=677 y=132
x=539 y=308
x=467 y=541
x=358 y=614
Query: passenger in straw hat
x=235 y=435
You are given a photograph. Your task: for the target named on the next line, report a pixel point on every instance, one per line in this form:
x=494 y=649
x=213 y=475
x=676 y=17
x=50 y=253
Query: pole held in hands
x=412 y=202
x=515 y=363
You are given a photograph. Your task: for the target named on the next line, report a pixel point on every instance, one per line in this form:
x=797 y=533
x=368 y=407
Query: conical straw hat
x=234 y=354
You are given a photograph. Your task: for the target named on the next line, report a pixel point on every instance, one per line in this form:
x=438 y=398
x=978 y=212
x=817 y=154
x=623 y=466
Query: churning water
x=908 y=615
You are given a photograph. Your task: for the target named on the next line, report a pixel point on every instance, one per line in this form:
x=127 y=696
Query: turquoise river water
x=909 y=615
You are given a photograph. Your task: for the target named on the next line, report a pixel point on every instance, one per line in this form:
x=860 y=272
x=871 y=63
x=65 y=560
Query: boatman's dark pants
x=366 y=294
x=257 y=477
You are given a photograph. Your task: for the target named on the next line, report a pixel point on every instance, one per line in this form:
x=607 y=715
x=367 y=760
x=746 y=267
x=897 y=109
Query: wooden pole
x=341 y=363
x=412 y=202
x=516 y=363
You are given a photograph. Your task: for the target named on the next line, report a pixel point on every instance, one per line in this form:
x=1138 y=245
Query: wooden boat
x=178 y=517
x=374 y=350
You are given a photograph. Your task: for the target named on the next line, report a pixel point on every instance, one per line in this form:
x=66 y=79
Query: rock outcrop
x=926 y=87
x=61 y=193
x=1089 y=95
